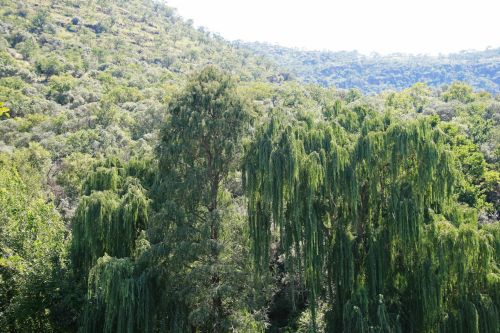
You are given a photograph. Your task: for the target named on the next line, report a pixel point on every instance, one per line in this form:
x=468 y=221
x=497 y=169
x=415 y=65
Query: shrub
x=38 y=22
x=49 y=66
x=59 y=87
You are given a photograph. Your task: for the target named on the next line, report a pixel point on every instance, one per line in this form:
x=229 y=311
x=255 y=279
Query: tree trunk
x=214 y=237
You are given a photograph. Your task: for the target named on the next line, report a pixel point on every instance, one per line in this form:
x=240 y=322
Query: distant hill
x=377 y=73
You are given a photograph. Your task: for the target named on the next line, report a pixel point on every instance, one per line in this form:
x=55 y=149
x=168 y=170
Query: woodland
x=155 y=177
x=376 y=73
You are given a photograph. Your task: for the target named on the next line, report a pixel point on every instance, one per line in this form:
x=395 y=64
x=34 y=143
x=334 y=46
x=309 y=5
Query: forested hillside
x=376 y=73
x=77 y=67
x=157 y=178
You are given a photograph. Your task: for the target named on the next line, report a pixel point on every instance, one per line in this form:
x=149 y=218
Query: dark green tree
x=371 y=224
x=199 y=146
x=108 y=219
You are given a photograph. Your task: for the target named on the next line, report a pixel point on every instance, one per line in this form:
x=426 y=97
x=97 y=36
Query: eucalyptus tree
x=199 y=146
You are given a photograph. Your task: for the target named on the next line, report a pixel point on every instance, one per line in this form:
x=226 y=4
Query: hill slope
x=82 y=67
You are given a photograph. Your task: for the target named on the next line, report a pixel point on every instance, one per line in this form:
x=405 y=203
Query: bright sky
x=383 y=26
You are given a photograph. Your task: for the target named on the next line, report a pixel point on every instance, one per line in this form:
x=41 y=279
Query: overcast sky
x=383 y=26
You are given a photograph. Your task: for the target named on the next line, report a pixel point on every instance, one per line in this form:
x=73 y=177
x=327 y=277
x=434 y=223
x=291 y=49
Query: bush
x=39 y=22
x=59 y=88
x=460 y=92
x=49 y=65
x=122 y=94
x=17 y=37
x=16 y=101
x=4 y=111
x=12 y=82
x=7 y=65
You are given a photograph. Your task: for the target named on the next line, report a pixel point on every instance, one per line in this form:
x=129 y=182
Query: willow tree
x=198 y=149
x=108 y=235
x=108 y=219
x=372 y=225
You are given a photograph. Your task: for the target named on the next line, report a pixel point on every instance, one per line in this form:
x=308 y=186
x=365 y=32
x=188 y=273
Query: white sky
x=383 y=26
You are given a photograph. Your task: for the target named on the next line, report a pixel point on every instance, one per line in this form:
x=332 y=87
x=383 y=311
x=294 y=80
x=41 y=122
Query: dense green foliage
x=156 y=178
x=372 y=225
x=31 y=244
x=376 y=73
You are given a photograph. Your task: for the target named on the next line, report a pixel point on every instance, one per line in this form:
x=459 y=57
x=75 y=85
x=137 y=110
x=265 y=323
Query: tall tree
x=199 y=147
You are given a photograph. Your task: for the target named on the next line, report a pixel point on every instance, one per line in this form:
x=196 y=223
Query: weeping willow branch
x=369 y=213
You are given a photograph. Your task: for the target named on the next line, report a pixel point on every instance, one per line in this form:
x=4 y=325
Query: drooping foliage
x=108 y=236
x=109 y=218
x=113 y=297
x=364 y=218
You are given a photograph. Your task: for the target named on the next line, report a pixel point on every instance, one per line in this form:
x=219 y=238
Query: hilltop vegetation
x=155 y=177
x=376 y=73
